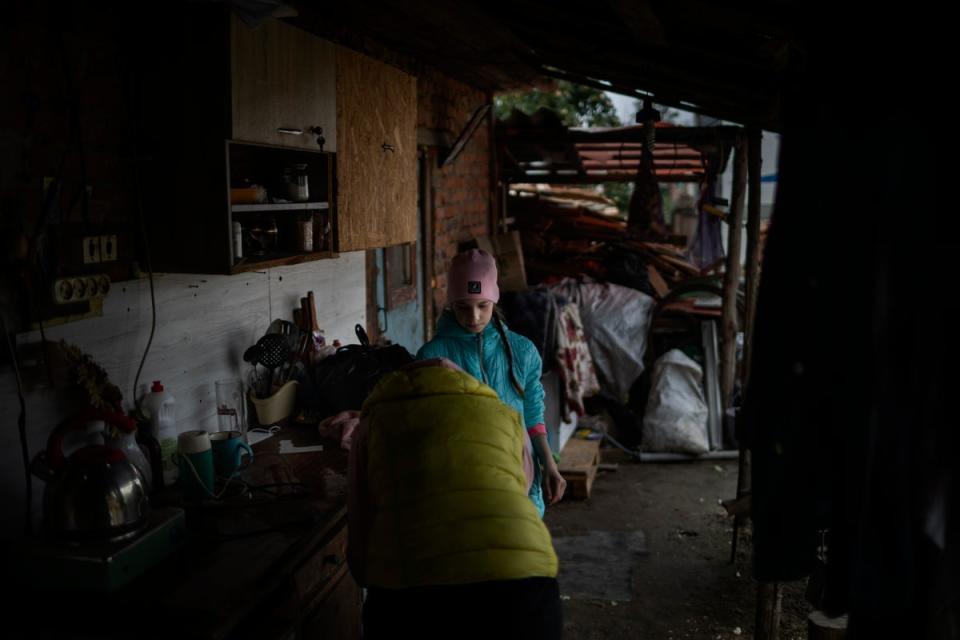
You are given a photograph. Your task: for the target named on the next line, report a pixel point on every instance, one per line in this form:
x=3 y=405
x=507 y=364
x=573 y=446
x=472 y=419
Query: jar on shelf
x=304 y=233
x=296 y=181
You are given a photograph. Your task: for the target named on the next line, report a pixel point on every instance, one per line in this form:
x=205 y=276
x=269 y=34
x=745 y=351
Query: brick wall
x=462 y=190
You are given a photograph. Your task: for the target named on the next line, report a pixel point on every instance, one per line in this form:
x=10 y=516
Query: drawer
x=322 y=564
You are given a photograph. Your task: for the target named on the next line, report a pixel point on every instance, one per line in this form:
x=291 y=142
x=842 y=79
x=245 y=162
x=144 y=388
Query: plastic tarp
x=676 y=415
x=616 y=321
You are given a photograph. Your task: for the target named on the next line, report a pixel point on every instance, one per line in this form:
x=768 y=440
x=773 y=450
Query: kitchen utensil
x=296 y=355
x=96 y=494
x=288 y=330
x=277 y=407
x=123 y=436
x=272 y=352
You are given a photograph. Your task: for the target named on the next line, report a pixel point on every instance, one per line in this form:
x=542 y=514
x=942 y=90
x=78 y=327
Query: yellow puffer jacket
x=445 y=475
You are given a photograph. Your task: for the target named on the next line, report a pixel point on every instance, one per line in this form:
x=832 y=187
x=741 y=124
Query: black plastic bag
x=344 y=380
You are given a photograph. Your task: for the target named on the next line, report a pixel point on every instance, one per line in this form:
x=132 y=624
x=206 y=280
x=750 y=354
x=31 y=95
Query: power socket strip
x=80 y=288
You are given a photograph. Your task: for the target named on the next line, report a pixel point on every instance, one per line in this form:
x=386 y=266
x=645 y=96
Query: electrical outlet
x=63 y=291
x=91 y=249
x=108 y=248
x=103 y=285
x=74 y=289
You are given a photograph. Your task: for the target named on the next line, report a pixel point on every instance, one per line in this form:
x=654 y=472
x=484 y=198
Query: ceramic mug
x=228 y=450
x=195 y=458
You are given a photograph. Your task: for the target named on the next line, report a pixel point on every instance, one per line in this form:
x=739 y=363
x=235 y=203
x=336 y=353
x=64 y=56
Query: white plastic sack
x=676 y=416
x=616 y=321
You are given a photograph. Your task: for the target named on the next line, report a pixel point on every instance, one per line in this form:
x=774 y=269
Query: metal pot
x=96 y=494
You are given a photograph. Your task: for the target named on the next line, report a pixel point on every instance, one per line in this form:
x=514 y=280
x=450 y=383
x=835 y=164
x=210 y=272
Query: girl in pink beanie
x=472 y=334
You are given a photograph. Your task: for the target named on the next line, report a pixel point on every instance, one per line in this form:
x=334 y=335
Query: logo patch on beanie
x=473 y=286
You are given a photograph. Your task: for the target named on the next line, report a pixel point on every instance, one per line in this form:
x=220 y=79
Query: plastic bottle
x=160 y=407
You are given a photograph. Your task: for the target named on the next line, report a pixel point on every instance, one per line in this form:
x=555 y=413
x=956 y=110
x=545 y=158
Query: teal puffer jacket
x=464 y=348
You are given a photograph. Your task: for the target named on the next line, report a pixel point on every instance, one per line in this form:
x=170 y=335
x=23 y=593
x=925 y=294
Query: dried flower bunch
x=92 y=378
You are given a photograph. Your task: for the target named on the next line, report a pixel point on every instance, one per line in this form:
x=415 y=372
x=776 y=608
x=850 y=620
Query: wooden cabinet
x=339 y=615
x=377 y=159
x=213 y=98
x=283 y=86
x=220 y=106
x=319 y=598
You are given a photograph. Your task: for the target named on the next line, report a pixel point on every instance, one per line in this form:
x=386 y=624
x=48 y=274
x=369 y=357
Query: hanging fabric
x=707 y=246
x=645 y=215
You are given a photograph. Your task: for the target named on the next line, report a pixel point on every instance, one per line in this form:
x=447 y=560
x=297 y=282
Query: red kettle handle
x=55 y=457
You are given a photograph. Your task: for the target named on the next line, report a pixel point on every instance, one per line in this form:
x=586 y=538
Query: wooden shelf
x=279 y=259
x=282 y=206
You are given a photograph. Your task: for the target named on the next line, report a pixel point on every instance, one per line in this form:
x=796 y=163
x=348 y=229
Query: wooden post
x=373 y=285
x=769 y=598
x=731 y=278
x=429 y=240
x=754 y=140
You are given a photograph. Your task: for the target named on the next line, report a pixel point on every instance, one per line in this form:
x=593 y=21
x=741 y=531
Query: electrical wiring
x=22 y=428
x=125 y=75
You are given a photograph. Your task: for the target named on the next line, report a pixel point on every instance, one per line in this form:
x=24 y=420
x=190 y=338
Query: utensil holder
x=277 y=407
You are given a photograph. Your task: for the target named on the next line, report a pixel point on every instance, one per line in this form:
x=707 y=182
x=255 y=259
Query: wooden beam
x=769 y=605
x=600 y=178
x=755 y=162
x=468 y=130
x=714 y=138
x=754 y=145
x=763 y=112
x=429 y=239
x=373 y=308
x=731 y=277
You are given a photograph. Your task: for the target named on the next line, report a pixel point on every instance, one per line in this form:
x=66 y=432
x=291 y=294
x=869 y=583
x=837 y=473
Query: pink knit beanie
x=473 y=275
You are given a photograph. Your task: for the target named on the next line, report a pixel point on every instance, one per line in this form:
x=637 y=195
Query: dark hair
x=498 y=323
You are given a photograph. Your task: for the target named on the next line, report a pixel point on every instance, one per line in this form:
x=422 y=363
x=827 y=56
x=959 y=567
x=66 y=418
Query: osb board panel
x=282 y=77
x=377 y=188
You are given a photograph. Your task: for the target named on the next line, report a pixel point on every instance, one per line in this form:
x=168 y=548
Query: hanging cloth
x=645 y=215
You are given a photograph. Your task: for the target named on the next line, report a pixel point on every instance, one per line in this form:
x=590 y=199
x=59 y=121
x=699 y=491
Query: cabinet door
x=377 y=157
x=283 y=79
x=339 y=615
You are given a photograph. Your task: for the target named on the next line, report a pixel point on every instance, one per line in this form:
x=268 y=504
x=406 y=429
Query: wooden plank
x=657 y=282
x=755 y=161
x=579 y=462
x=465 y=135
x=376 y=165
x=731 y=279
x=769 y=606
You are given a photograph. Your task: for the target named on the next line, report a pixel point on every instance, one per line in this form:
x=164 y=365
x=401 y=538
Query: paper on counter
x=287 y=446
x=260 y=434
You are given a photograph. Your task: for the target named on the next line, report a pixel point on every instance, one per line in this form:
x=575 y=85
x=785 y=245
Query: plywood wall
x=204 y=324
x=377 y=188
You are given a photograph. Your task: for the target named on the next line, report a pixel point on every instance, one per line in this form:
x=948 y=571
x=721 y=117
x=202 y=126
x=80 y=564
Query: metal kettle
x=95 y=495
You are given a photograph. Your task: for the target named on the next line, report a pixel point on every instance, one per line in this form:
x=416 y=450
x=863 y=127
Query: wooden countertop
x=240 y=550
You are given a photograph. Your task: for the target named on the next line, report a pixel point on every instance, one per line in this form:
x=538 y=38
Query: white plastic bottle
x=160 y=407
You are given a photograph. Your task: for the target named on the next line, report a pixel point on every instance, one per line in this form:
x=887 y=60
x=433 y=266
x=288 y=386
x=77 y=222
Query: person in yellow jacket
x=441 y=531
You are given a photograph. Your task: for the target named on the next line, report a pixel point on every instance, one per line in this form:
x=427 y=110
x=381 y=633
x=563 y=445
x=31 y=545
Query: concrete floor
x=647 y=556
